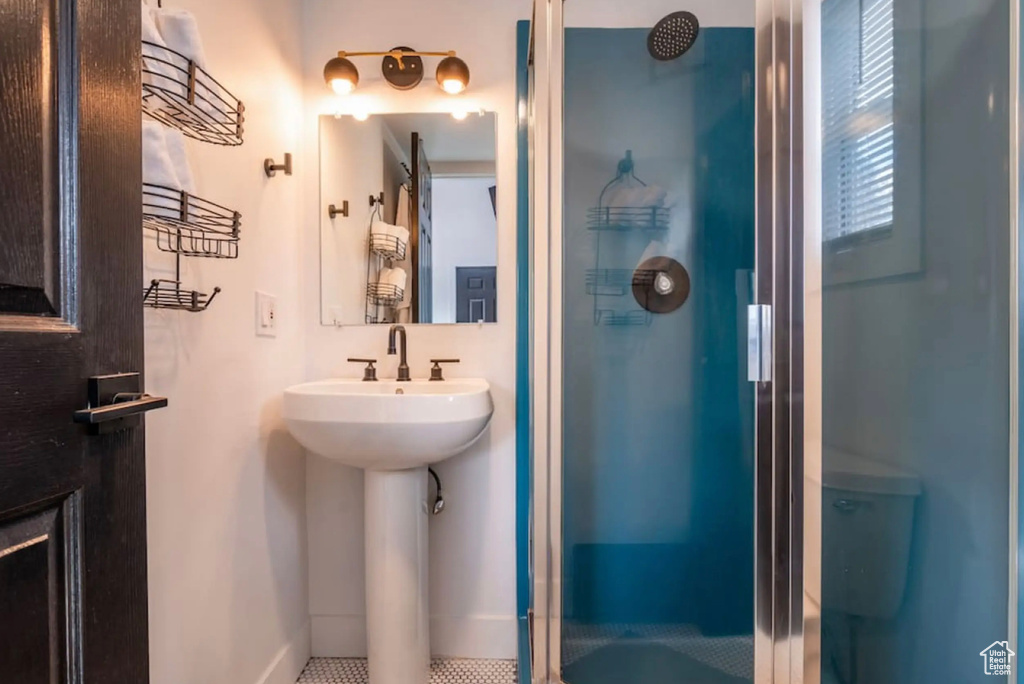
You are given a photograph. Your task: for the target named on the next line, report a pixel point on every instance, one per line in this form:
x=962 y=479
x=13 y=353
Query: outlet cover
x=266 y=315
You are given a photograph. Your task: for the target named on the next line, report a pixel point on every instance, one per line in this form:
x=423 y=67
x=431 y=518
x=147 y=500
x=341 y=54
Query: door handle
x=125 y=404
x=116 y=403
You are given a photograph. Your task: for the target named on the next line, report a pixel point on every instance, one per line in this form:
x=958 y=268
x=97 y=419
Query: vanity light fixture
x=341 y=75
x=402 y=68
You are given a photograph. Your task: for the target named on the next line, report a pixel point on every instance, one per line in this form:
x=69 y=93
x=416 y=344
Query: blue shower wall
x=658 y=436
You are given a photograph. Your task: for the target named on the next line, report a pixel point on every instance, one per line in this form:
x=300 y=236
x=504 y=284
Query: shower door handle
x=759 y=343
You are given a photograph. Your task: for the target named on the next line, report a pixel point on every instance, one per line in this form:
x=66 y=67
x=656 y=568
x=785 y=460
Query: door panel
x=39 y=637
x=30 y=258
x=70 y=309
x=476 y=294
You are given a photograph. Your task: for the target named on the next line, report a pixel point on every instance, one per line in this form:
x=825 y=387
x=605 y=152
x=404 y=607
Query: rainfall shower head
x=673 y=36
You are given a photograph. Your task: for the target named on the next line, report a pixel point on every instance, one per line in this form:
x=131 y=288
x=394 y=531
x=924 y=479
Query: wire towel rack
x=179 y=93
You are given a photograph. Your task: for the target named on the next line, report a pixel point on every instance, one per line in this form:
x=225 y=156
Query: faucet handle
x=435 y=371
x=369 y=373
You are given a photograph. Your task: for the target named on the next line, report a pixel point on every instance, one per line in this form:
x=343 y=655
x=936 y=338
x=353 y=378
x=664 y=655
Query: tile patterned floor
x=442 y=671
x=733 y=655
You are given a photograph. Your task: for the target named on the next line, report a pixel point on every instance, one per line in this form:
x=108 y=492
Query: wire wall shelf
x=179 y=93
x=188 y=225
x=612 y=317
x=389 y=247
x=607 y=279
x=626 y=219
x=609 y=282
x=168 y=294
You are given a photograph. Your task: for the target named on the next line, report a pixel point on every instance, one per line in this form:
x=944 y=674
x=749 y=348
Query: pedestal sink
x=393 y=430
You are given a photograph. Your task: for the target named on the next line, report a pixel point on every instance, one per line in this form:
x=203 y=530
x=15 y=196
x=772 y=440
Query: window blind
x=857 y=108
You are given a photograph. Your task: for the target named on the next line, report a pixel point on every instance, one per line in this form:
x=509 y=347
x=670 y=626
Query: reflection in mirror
x=417 y=241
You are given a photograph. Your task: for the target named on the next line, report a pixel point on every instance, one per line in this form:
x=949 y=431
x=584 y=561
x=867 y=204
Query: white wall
x=464 y=235
x=225 y=484
x=472 y=545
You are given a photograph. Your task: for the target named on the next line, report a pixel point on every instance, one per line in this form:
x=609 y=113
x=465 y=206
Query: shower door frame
x=786 y=634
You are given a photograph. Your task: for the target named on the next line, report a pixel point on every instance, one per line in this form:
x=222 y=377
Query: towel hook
x=334 y=211
x=271 y=169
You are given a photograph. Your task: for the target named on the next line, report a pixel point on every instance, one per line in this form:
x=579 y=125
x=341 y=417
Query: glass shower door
x=651 y=258
x=911 y=237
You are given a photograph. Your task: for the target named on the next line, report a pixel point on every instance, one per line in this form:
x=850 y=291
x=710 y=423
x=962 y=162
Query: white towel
x=180 y=32
x=179 y=161
x=150 y=32
x=154 y=56
x=158 y=169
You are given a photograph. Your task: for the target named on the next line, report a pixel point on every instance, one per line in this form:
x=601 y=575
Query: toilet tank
x=867 y=525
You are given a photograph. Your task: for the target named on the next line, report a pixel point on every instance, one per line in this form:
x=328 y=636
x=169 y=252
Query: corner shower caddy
x=180 y=94
x=609 y=285
x=386 y=249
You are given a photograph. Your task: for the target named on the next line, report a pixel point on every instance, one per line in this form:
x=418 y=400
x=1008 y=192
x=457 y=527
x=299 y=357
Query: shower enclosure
x=773 y=340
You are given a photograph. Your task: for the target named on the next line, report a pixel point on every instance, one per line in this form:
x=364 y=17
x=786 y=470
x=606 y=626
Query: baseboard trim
x=473 y=636
x=339 y=636
x=287 y=665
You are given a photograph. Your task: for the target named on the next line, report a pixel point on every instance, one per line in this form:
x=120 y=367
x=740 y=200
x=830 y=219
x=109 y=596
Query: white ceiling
x=445 y=138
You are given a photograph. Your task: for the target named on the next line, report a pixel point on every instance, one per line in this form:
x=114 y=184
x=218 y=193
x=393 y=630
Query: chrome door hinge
x=759 y=343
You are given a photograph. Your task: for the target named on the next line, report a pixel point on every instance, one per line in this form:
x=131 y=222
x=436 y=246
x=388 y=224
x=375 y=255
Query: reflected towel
x=394 y=276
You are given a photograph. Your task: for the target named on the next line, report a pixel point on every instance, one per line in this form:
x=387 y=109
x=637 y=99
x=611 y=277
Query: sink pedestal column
x=397 y=627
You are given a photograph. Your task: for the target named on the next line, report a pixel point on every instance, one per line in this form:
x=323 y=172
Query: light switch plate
x=266 y=315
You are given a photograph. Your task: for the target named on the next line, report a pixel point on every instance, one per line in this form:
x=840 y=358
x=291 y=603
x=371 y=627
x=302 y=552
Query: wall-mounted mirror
x=408 y=230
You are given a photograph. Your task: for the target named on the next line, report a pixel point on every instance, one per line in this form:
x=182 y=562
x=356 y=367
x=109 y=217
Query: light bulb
x=452 y=86
x=341 y=75
x=342 y=86
x=360 y=115
x=460 y=114
x=452 y=75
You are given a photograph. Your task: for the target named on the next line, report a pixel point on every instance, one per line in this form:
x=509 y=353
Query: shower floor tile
x=731 y=655
x=442 y=671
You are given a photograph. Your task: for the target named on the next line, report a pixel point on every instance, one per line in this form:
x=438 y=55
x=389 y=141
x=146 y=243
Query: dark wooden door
x=422 y=254
x=72 y=506
x=476 y=294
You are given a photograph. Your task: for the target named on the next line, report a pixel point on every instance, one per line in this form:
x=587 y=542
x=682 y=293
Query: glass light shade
x=341 y=75
x=452 y=75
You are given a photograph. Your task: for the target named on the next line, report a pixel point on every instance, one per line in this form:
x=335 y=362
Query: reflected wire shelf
x=390 y=247
x=384 y=294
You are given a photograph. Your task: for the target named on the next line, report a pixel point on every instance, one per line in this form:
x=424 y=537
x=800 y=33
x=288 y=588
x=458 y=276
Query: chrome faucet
x=403 y=366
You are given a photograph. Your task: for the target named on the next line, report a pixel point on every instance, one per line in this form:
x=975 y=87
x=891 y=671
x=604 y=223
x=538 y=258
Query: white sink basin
x=388 y=425
x=393 y=430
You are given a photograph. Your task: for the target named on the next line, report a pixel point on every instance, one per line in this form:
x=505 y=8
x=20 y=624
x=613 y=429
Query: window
x=858 y=138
